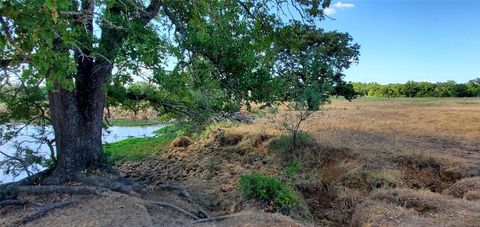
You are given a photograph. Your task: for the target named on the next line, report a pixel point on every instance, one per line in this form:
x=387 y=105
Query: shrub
x=291 y=120
x=292 y=169
x=269 y=189
x=285 y=142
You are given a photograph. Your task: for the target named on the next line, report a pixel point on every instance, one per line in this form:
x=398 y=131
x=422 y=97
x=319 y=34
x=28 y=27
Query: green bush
x=269 y=189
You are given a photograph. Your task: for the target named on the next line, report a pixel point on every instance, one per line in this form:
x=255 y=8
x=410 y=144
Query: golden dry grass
x=409 y=131
x=466 y=188
x=407 y=207
x=451 y=118
x=431 y=128
x=369 y=144
x=413 y=149
x=432 y=142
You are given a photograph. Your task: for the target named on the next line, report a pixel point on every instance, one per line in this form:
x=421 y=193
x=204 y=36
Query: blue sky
x=401 y=40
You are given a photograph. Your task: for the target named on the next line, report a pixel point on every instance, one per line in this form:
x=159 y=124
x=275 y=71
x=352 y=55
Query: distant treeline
x=419 y=89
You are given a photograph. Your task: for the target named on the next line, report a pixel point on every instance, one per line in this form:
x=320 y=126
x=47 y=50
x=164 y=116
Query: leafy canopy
x=194 y=57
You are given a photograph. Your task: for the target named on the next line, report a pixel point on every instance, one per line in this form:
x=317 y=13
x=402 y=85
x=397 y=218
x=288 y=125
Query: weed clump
x=268 y=189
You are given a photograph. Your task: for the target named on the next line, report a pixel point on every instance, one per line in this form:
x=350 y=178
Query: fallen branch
x=43 y=210
x=181 y=210
x=218 y=218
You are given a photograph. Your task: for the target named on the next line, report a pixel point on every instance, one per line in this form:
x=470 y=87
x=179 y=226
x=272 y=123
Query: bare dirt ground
x=117 y=209
x=371 y=162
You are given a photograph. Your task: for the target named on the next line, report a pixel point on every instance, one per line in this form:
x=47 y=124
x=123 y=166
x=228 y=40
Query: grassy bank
x=136 y=122
x=135 y=149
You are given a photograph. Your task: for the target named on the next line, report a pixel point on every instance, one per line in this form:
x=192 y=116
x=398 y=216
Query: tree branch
x=178 y=26
x=151 y=11
x=8 y=35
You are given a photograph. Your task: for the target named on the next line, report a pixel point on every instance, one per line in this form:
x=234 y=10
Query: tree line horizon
x=136 y=93
x=413 y=89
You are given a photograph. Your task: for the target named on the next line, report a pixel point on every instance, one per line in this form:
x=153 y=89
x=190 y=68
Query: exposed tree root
x=180 y=191
x=210 y=219
x=181 y=210
x=202 y=213
x=105 y=182
x=62 y=189
x=13 y=202
x=92 y=184
x=35 y=178
x=43 y=210
x=8 y=191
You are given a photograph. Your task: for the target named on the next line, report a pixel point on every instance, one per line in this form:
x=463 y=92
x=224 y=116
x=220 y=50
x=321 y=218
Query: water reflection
x=112 y=134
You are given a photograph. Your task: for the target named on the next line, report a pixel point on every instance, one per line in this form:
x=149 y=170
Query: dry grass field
x=449 y=118
x=379 y=162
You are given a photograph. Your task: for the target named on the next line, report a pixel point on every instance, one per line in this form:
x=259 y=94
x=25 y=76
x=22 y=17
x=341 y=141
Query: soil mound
x=467 y=188
x=408 y=207
x=182 y=141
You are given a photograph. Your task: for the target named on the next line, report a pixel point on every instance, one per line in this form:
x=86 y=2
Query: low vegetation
x=268 y=189
x=134 y=149
x=135 y=122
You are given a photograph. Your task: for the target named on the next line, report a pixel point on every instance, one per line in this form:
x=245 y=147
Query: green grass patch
x=268 y=189
x=135 y=149
x=292 y=169
x=172 y=131
x=136 y=122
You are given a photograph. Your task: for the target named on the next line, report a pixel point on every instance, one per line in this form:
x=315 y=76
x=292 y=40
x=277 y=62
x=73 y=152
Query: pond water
x=112 y=134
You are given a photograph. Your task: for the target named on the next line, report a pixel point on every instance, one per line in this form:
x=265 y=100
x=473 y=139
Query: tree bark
x=77 y=115
x=77 y=118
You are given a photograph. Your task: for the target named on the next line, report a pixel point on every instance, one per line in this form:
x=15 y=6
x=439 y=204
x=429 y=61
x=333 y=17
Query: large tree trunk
x=77 y=115
x=77 y=118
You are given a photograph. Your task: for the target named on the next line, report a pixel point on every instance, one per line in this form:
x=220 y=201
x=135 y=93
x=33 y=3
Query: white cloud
x=338 y=5
x=329 y=11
